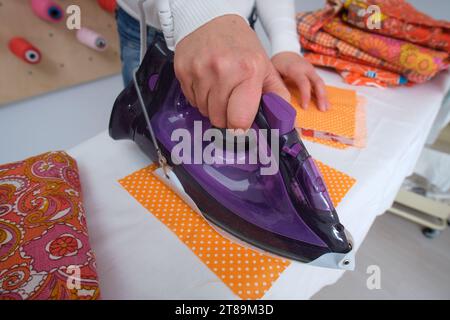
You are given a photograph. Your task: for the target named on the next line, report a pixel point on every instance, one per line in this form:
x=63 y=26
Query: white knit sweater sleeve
x=277 y=17
x=278 y=20
x=188 y=15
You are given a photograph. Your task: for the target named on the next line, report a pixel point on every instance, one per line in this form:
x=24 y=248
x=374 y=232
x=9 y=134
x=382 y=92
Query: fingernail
x=237 y=132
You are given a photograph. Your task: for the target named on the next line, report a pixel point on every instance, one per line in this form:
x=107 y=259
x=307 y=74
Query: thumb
x=274 y=83
x=243 y=104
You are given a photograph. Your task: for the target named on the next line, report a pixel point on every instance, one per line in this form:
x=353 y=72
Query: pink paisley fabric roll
x=44 y=242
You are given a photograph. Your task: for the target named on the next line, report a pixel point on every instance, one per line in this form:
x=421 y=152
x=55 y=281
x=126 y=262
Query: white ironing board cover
x=139 y=258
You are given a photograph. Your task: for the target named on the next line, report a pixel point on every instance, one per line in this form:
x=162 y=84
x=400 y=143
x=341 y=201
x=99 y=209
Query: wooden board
x=65 y=61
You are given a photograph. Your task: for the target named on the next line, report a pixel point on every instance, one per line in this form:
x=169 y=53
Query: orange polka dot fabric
x=337 y=182
x=247 y=272
x=339 y=120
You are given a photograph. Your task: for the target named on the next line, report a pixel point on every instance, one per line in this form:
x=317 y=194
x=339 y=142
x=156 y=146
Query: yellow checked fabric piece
x=333 y=144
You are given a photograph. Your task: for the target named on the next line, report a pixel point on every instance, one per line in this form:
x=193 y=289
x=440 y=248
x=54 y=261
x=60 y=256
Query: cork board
x=65 y=61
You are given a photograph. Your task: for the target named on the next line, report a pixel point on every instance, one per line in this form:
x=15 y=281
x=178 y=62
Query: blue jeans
x=129 y=36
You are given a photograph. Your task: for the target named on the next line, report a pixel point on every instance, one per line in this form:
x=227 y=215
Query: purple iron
x=288 y=213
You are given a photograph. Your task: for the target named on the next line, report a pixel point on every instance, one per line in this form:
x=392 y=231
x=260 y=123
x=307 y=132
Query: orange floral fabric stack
x=399 y=19
x=406 y=46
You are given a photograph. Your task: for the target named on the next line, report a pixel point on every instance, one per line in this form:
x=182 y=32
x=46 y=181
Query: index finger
x=319 y=91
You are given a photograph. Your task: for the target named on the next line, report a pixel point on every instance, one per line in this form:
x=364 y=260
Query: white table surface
x=138 y=257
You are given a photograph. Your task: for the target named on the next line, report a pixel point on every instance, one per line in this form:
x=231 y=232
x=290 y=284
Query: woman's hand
x=294 y=67
x=223 y=70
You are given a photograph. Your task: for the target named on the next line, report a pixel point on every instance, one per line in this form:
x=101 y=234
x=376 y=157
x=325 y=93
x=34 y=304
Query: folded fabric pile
x=44 y=244
x=406 y=47
x=343 y=125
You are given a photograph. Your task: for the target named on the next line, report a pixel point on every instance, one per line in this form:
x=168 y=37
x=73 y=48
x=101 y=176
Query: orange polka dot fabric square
x=339 y=121
x=247 y=272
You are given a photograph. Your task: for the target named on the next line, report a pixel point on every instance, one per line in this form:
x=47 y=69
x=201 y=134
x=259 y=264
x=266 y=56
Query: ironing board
x=139 y=258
